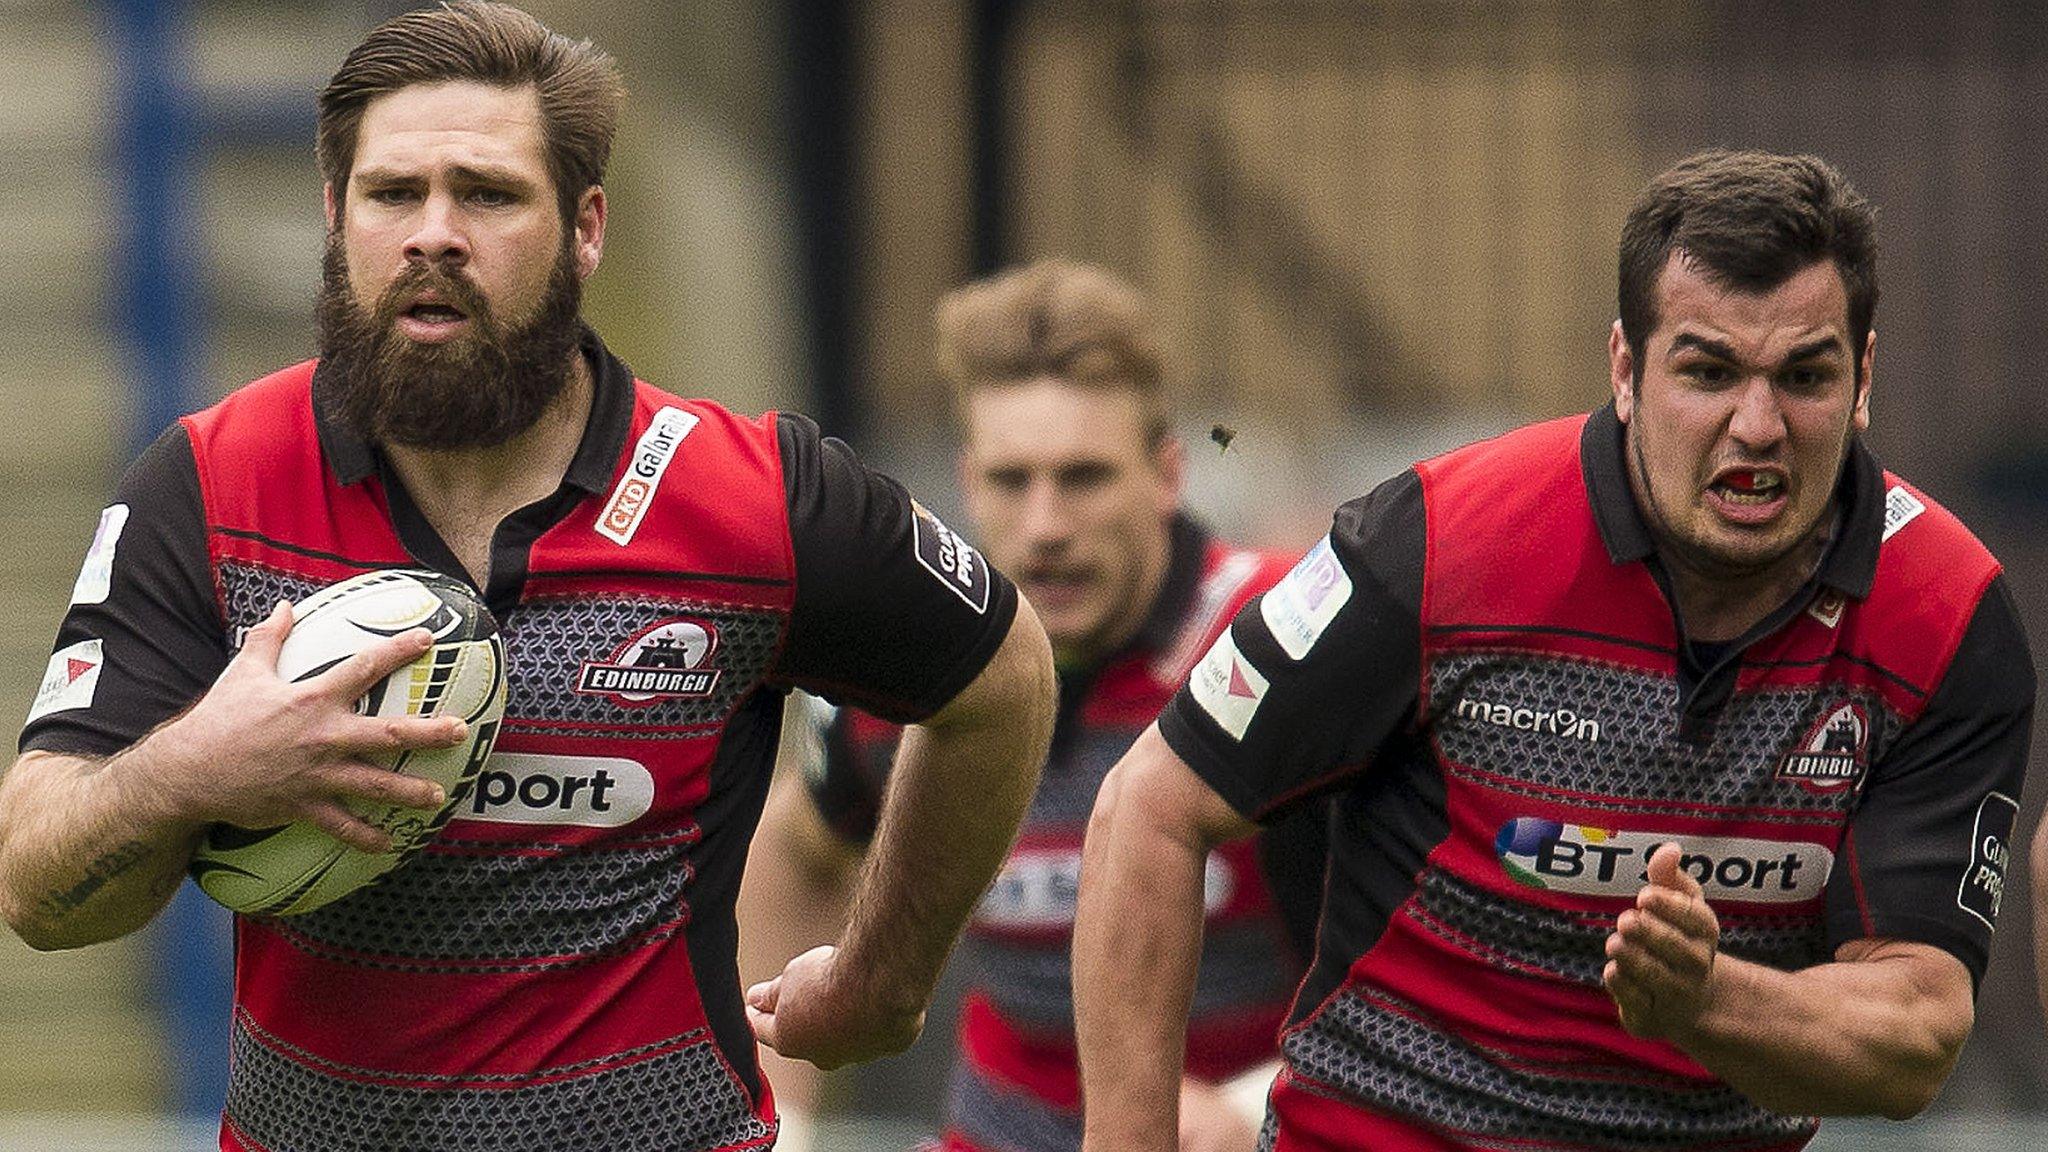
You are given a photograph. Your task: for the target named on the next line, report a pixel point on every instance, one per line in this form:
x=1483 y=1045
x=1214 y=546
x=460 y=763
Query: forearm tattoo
x=109 y=866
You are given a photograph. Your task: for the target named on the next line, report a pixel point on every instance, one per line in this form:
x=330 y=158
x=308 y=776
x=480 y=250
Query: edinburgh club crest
x=1833 y=752
x=671 y=660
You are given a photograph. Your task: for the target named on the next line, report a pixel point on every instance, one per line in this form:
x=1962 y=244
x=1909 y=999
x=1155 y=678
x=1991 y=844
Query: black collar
x=1849 y=564
x=356 y=459
x=1187 y=547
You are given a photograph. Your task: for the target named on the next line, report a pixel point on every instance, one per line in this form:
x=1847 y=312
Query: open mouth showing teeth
x=1749 y=487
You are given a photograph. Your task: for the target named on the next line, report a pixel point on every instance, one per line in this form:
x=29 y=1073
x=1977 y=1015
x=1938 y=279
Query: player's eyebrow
x=1721 y=350
x=468 y=174
x=1811 y=348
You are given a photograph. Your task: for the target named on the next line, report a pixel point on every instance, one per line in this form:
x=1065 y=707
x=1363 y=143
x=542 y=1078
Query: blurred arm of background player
x=795 y=895
x=91 y=848
x=961 y=782
x=1138 y=939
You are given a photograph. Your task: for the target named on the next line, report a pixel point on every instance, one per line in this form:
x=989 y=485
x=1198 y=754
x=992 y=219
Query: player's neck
x=1717 y=605
x=465 y=492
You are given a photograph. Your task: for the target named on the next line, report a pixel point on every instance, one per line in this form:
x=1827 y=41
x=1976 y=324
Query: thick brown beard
x=478 y=390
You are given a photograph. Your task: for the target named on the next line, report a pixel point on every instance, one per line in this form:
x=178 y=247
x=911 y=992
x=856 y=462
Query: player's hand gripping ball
x=298 y=867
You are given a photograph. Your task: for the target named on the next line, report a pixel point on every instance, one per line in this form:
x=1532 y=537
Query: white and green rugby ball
x=298 y=867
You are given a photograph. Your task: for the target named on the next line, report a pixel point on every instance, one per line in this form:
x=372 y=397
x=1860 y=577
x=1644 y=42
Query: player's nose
x=439 y=237
x=1758 y=421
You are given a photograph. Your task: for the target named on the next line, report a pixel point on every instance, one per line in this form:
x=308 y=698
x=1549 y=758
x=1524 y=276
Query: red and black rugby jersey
x=556 y=971
x=1481 y=662
x=1016 y=1083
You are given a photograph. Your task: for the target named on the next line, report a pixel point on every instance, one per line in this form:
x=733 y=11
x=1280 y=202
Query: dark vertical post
x=994 y=22
x=825 y=171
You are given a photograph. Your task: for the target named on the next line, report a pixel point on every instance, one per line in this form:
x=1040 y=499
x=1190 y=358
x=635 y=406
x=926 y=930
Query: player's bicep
x=895 y=613
x=142 y=637
x=1930 y=844
x=1314 y=675
x=1151 y=787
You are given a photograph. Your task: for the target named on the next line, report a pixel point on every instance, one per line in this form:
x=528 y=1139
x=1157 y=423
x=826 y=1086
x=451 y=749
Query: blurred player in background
x=1676 y=749
x=553 y=976
x=1070 y=471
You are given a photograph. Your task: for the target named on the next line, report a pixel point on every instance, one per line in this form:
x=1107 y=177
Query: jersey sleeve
x=1926 y=854
x=143 y=637
x=1312 y=676
x=895 y=613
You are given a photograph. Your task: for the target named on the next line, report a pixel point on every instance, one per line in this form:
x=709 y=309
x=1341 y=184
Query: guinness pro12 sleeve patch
x=1301 y=606
x=1990 y=851
x=951 y=560
x=96 y=576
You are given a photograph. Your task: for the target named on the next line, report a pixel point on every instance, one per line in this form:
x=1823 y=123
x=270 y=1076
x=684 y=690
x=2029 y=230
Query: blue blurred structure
x=166 y=123
x=158 y=293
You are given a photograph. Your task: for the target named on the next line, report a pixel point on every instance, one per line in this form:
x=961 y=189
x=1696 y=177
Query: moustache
x=453 y=287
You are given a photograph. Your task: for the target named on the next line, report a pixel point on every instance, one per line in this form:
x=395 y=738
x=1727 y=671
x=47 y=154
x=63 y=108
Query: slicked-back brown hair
x=1751 y=221
x=1059 y=319
x=580 y=87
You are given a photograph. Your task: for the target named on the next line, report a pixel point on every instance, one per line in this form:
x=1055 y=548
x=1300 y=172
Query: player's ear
x=1170 y=463
x=589 y=225
x=1621 y=372
x=967 y=480
x=328 y=205
x=1861 y=414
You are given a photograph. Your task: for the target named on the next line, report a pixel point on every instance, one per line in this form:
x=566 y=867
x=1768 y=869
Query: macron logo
x=1551 y=721
x=651 y=457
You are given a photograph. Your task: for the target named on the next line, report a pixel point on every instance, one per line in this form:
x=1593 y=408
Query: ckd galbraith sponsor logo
x=1588 y=861
x=622 y=514
x=594 y=791
x=1039 y=890
x=1550 y=721
x=1832 y=753
x=670 y=660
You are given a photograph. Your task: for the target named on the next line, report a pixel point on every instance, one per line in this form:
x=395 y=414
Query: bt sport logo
x=1587 y=861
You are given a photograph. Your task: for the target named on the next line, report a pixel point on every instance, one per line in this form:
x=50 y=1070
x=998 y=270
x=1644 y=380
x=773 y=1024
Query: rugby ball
x=297 y=867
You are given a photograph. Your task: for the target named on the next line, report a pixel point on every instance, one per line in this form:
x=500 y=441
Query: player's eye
x=1709 y=373
x=1007 y=479
x=1088 y=476
x=1806 y=378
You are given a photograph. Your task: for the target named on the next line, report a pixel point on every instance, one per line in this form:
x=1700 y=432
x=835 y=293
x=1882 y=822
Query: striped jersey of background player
x=1677 y=748
x=1074 y=480
x=556 y=971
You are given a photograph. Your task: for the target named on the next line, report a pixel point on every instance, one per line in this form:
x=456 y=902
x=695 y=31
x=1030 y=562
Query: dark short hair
x=579 y=86
x=1749 y=220
x=1057 y=319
